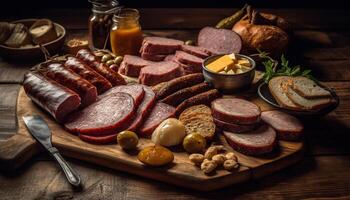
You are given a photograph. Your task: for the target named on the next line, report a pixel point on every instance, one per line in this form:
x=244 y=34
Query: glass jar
x=126 y=33
x=100 y=22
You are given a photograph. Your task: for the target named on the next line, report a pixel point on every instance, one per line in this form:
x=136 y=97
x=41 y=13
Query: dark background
x=12 y=5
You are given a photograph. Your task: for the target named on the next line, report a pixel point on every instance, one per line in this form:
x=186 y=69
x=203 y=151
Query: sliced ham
x=160 y=45
x=108 y=115
x=160 y=112
x=286 y=126
x=132 y=65
x=189 y=59
x=152 y=57
x=235 y=110
x=195 y=50
x=260 y=141
x=159 y=72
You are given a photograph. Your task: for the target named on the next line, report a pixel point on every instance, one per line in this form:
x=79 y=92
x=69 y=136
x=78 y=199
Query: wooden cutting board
x=21 y=147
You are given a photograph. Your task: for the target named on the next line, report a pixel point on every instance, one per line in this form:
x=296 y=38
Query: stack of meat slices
x=128 y=107
x=60 y=87
x=185 y=91
x=240 y=122
x=163 y=59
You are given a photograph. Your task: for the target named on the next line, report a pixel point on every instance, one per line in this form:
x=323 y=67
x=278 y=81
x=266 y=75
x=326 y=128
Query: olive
x=127 y=139
x=106 y=58
x=194 y=143
x=155 y=155
x=118 y=60
x=189 y=42
x=110 y=62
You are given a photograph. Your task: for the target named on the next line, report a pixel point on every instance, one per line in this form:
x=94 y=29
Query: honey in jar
x=126 y=34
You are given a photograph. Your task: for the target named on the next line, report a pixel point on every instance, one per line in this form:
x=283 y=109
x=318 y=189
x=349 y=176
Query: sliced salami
x=235 y=110
x=136 y=91
x=236 y=128
x=160 y=112
x=110 y=114
x=144 y=108
x=50 y=95
x=260 y=141
x=56 y=71
x=79 y=67
x=287 y=126
x=105 y=139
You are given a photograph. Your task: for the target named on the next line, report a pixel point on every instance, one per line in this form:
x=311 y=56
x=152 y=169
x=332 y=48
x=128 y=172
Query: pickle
x=228 y=22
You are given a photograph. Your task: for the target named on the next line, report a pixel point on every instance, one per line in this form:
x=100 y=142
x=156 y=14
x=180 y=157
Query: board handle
x=16 y=150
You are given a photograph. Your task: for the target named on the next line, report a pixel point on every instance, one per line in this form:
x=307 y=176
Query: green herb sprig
x=274 y=68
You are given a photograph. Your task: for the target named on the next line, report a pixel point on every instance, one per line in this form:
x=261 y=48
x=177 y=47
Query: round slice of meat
x=105 y=139
x=287 y=127
x=160 y=112
x=235 y=110
x=219 y=41
x=136 y=91
x=144 y=109
x=236 y=128
x=260 y=141
x=110 y=114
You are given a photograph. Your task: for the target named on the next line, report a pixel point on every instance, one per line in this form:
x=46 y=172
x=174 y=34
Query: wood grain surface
x=181 y=172
x=321 y=38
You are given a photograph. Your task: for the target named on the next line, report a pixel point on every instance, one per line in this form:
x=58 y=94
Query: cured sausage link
x=113 y=77
x=183 y=94
x=50 y=95
x=179 y=83
x=56 y=71
x=79 y=67
x=202 y=98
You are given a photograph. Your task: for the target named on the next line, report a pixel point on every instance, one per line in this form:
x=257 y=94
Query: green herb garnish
x=274 y=68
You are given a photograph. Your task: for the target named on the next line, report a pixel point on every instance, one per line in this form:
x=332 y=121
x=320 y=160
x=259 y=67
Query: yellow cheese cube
x=244 y=62
x=220 y=64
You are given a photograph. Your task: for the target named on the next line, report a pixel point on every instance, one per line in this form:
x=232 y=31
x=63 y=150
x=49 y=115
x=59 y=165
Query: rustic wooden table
x=322 y=43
